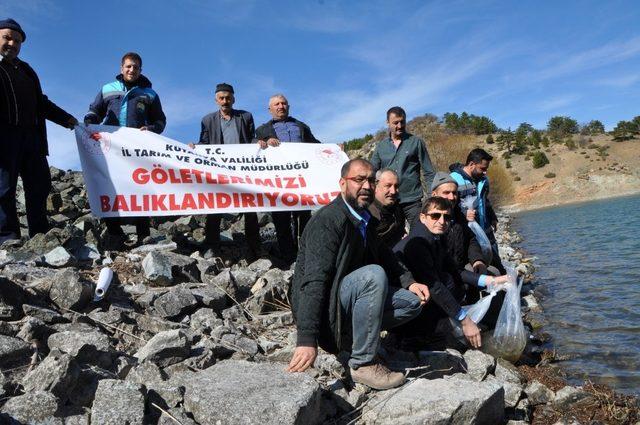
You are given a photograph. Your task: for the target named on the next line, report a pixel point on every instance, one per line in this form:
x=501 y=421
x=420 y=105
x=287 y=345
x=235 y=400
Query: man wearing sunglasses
x=425 y=254
x=347 y=286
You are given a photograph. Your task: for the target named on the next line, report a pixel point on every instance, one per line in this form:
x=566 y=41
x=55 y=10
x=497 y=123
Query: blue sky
x=342 y=64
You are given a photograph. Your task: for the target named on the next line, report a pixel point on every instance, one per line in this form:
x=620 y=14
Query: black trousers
x=21 y=154
x=251 y=229
x=289 y=227
x=411 y=211
x=142 y=225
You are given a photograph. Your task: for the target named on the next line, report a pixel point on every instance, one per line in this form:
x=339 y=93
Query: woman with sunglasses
x=424 y=253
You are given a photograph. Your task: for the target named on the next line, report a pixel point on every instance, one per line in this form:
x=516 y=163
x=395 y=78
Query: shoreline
x=520 y=208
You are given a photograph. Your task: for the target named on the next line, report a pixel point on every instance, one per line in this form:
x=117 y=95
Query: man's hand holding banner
x=130 y=173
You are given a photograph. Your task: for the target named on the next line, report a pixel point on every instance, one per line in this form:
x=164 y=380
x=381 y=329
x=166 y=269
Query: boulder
x=211 y=296
x=571 y=397
x=538 y=393
x=69 y=290
x=86 y=347
x=118 y=402
x=507 y=372
x=58 y=257
x=13 y=351
x=442 y=363
x=30 y=408
x=252 y=393
x=446 y=401
x=178 y=300
x=166 y=348
x=164 y=268
x=512 y=391
x=46 y=315
x=57 y=374
x=85 y=389
x=479 y=364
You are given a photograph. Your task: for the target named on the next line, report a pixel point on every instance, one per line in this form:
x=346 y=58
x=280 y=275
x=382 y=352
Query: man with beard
x=385 y=208
x=283 y=128
x=472 y=180
x=424 y=253
x=129 y=101
x=341 y=295
x=407 y=155
x=24 y=110
x=229 y=126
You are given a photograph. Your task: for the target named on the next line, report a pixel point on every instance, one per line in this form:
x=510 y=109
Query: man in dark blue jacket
x=285 y=129
x=129 y=101
x=229 y=126
x=24 y=110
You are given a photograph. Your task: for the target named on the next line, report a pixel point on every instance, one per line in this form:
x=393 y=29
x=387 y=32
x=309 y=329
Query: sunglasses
x=435 y=216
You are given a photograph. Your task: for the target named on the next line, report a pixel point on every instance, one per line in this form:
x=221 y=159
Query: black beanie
x=224 y=87
x=13 y=25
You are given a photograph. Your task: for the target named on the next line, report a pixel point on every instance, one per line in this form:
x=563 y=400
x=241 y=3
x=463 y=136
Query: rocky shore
x=185 y=335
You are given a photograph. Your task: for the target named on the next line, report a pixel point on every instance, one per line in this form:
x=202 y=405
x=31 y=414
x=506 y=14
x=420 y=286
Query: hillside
x=596 y=168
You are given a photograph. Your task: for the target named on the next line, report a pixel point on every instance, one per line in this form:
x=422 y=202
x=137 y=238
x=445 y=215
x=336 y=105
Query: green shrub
x=507 y=164
x=550 y=175
x=539 y=159
x=489 y=140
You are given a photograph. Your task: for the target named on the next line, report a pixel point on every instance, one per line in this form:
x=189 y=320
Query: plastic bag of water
x=471 y=202
x=509 y=336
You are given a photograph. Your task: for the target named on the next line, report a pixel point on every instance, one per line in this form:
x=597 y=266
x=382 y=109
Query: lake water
x=589 y=268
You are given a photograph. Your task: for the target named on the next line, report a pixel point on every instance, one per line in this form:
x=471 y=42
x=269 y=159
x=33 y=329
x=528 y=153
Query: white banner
x=129 y=173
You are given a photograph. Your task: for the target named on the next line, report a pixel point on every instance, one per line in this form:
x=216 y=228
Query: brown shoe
x=377 y=376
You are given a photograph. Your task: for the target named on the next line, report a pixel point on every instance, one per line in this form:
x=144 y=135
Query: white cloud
x=556 y=103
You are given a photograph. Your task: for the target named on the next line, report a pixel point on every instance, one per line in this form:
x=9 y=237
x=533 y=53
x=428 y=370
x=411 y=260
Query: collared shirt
x=21 y=92
x=229 y=130
x=409 y=160
x=287 y=131
x=363 y=218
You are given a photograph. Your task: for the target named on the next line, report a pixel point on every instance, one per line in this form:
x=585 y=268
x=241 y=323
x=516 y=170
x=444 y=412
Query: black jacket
x=211 y=130
x=390 y=228
x=426 y=257
x=46 y=109
x=266 y=131
x=462 y=245
x=331 y=247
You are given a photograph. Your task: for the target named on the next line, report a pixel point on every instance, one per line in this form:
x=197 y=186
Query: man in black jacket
x=425 y=254
x=340 y=295
x=283 y=128
x=229 y=126
x=24 y=110
x=386 y=208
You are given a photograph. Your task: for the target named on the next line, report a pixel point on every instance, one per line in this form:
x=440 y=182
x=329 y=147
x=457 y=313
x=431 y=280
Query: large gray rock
x=211 y=296
x=505 y=371
x=479 y=364
x=270 y=292
x=439 y=401
x=70 y=290
x=48 y=316
x=538 y=393
x=87 y=347
x=166 y=348
x=441 y=363
x=176 y=301
x=164 y=268
x=252 y=393
x=571 y=397
x=12 y=297
x=57 y=373
x=118 y=402
x=85 y=389
x=30 y=408
x=26 y=272
x=58 y=257
x=13 y=351
x=512 y=391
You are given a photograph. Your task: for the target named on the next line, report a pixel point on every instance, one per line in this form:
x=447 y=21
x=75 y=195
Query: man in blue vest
x=472 y=180
x=129 y=101
x=24 y=110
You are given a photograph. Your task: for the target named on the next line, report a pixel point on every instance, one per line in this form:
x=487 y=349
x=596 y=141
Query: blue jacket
x=468 y=187
x=137 y=107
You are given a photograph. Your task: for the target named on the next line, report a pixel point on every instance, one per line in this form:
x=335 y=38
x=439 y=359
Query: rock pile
x=190 y=336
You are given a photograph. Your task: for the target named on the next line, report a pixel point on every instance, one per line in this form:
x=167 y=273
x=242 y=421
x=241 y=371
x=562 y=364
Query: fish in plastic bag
x=470 y=203
x=509 y=336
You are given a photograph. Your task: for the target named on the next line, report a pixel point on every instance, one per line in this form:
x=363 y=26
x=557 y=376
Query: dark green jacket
x=410 y=160
x=331 y=247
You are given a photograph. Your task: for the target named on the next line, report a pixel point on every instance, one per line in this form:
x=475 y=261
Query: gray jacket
x=211 y=130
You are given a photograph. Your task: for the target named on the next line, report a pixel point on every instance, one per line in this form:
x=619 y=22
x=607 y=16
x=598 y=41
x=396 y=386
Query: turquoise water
x=589 y=269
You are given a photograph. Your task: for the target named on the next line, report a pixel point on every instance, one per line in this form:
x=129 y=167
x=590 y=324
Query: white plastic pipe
x=104 y=280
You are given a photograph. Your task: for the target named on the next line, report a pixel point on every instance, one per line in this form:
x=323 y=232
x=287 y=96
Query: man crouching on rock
x=340 y=295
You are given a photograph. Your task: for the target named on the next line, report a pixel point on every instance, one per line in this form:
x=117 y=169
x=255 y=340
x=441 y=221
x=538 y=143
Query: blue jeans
x=371 y=305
